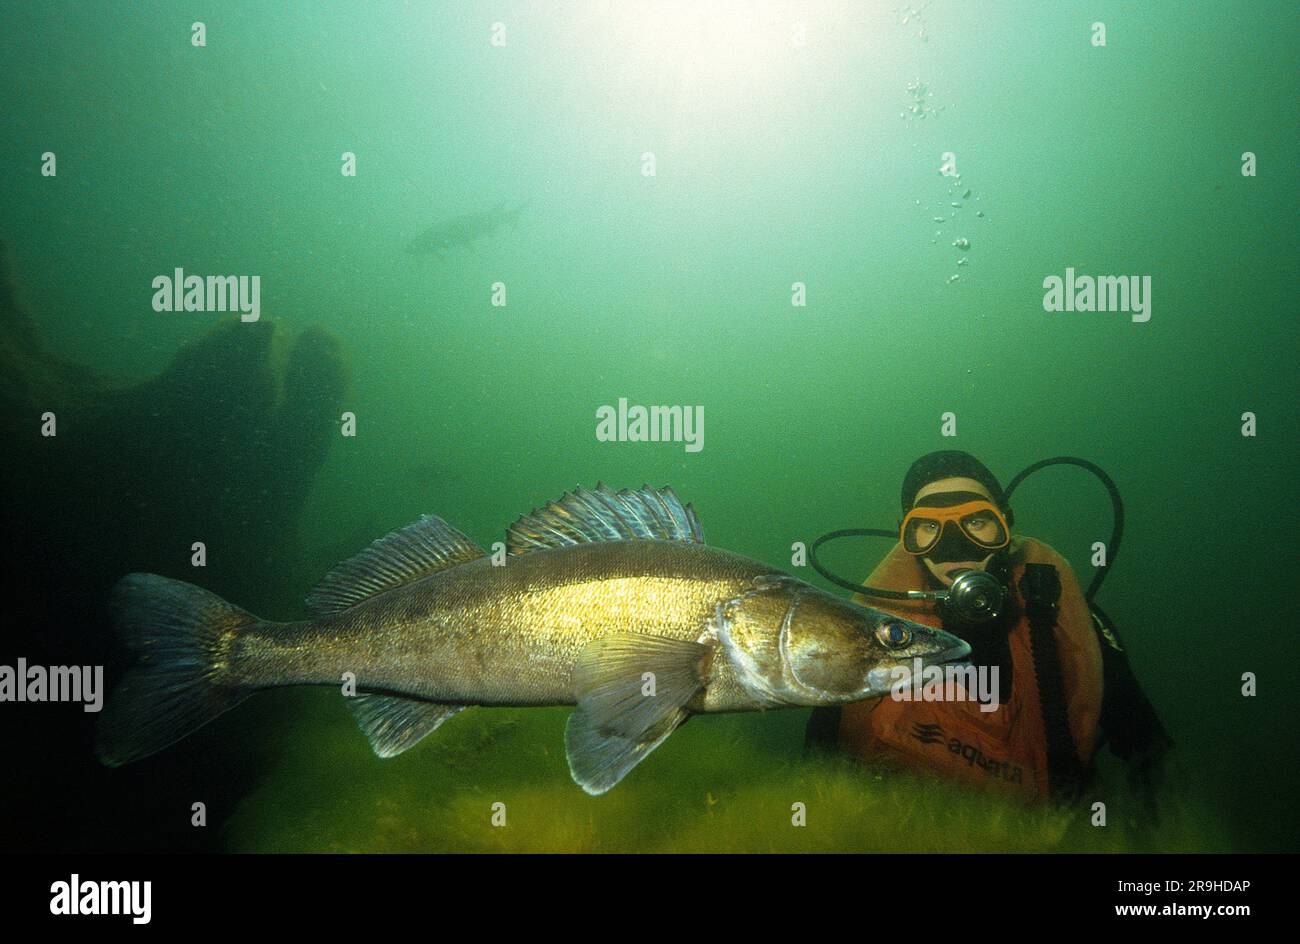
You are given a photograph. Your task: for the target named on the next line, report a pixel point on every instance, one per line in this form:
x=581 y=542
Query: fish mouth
x=956 y=647
x=958 y=653
x=881 y=680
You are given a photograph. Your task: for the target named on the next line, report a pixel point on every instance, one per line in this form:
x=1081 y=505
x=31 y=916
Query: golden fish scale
x=508 y=635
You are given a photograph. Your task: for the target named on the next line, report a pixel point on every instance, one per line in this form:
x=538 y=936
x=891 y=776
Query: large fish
x=465 y=230
x=607 y=600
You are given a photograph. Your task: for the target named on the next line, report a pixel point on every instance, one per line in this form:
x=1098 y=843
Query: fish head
x=793 y=644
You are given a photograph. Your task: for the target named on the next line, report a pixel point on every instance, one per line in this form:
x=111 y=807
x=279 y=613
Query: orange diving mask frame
x=982 y=523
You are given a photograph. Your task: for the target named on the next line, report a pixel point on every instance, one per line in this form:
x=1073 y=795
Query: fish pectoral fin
x=629 y=682
x=394 y=724
x=632 y=691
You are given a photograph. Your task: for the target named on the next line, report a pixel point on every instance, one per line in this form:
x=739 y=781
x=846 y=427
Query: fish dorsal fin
x=408 y=554
x=583 y=516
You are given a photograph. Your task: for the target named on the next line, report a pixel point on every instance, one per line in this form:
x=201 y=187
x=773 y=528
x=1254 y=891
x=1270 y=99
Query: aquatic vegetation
x=329 y=794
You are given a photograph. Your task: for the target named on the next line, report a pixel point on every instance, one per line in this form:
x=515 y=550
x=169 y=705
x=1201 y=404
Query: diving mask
x=981 y=522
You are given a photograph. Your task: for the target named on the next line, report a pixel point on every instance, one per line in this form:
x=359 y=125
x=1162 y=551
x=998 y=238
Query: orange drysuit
x=1006 y=747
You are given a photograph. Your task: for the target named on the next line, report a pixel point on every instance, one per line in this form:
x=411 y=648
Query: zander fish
x=467 y=229
x=606 y=600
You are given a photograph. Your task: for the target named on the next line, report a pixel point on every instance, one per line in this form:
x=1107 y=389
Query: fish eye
x=893 y=635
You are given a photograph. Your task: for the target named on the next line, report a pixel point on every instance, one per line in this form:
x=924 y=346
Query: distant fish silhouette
x=465 y=230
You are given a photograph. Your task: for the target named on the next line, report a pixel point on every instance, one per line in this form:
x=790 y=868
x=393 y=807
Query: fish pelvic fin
x=408 y=554
x=583 y=516
x=394 y=724
x=598 y=762
x=632 y=692
x=183 y=636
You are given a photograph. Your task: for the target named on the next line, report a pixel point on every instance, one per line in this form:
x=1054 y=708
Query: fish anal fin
x=394 y=724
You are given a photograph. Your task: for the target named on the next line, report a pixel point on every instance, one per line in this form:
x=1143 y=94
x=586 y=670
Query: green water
x=775 y=163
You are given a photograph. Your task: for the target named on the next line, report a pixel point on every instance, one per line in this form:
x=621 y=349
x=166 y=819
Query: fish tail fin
x=183 y=637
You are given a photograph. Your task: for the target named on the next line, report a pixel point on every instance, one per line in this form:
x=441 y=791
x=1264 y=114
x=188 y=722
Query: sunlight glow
x=704 y=45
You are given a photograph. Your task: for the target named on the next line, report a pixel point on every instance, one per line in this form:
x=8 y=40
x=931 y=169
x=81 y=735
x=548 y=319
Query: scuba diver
x=1064 y=686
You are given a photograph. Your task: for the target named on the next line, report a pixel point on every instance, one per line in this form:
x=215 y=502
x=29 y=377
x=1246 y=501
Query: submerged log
x=220 y=447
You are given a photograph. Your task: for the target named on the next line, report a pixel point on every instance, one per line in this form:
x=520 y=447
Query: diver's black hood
x=951 y=463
